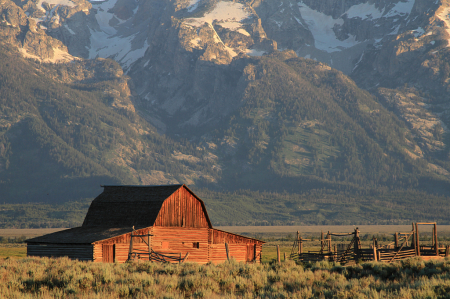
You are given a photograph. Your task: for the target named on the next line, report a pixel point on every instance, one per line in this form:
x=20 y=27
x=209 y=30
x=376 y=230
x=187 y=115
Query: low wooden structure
x=159 y=223
x=405 y=245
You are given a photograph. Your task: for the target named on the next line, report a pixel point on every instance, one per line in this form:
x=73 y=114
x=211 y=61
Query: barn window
x=196 y=244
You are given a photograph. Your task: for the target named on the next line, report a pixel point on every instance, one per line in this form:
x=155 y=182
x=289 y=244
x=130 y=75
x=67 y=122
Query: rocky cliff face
x=190 y=62
x=180 y=54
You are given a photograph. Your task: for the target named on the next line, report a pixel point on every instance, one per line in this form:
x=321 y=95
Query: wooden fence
x=405 y=245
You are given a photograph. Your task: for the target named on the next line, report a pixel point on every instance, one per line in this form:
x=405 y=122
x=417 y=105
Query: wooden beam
x=329 y=241
x=301 y=245
x=278 y=254
x=131 y=245
x=436 y=243
x=396 y=240
x=228 y=252
x=342 y=234
x=149 y=246
x=321 y=242
x=399 y=249
x=357 y=244
x=417 y=240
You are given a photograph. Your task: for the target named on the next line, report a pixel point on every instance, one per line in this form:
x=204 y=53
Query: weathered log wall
x=238 y=252
x=73 y=251
x=177 y=240
x=98 y=253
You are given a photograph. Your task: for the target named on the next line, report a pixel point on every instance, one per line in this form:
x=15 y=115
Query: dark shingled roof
x=81 y=235
x=127 y=206
x=114 y=212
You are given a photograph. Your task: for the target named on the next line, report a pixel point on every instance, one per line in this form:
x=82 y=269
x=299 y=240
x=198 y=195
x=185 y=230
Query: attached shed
x=168 y=220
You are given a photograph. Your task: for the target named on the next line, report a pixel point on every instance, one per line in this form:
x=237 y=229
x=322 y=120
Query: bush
x=56 y=278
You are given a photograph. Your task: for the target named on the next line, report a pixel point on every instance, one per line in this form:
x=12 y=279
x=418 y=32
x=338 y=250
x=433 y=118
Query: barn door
x=108 y=253
x=251 y=252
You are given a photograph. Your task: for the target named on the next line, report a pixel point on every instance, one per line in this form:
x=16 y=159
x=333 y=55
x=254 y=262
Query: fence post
x=396 y=240
x=321 y=242
x=436 y=243
x=228 y=252
x=131 y=245
x=329 y=241
x=301 y=245
x=278 y=254
x=417 y=240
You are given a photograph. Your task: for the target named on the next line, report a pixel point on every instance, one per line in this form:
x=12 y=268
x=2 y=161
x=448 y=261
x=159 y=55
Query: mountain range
x=343 y=98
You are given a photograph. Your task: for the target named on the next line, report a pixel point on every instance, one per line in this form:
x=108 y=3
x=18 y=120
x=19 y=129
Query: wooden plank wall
x=98 y=253
x=74 y=251
x=173 y=241
x=238 y=252
x=182 y=209
x=121 y=245
x=219 y=237
x=121 y=251
x=241 y=248
x=125 y=238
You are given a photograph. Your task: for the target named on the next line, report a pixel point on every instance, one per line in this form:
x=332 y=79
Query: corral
x=160 y=223
x=405 y=245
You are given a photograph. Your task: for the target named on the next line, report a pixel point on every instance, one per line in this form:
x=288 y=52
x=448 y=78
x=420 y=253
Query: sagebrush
x=64 y=278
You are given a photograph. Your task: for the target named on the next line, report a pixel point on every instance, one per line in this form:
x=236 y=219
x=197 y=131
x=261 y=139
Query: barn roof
x=81 y=235
x=115 y=211
x=121 y=206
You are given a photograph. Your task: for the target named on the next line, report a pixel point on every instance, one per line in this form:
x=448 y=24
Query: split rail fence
x=405 y=245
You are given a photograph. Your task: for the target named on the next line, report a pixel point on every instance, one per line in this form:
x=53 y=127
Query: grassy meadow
x=64 y=278
x=24 y=277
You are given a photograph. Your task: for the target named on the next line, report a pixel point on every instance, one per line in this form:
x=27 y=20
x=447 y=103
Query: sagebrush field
x=63 y=278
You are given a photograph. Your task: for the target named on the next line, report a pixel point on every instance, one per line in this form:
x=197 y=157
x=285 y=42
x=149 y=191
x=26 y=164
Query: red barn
x=168 y=221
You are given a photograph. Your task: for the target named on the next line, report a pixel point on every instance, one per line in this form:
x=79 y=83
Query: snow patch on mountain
x=103 y=17
x=401 y=8
x=68 y=29
x=193 y=4
x=364 y=11
x=116 y=47
x=321 y=27
x=108 y=43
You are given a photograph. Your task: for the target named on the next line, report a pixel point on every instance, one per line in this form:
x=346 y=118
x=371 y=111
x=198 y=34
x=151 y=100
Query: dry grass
x=28 y=232
x=13 y=251
x=63 y=278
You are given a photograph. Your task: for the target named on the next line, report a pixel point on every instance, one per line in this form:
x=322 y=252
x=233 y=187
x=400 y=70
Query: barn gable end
x=183 y=209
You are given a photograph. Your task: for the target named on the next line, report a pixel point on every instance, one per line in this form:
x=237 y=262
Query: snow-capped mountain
x=268 y=93
x=188 y=58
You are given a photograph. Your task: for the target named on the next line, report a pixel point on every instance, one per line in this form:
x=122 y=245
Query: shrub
x=56 y=278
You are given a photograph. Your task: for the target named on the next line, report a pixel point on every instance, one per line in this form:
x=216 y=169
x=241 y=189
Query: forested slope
x=62 y=134
x=304 y=126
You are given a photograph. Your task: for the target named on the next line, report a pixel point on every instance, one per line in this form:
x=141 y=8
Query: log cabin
x=134 y=221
